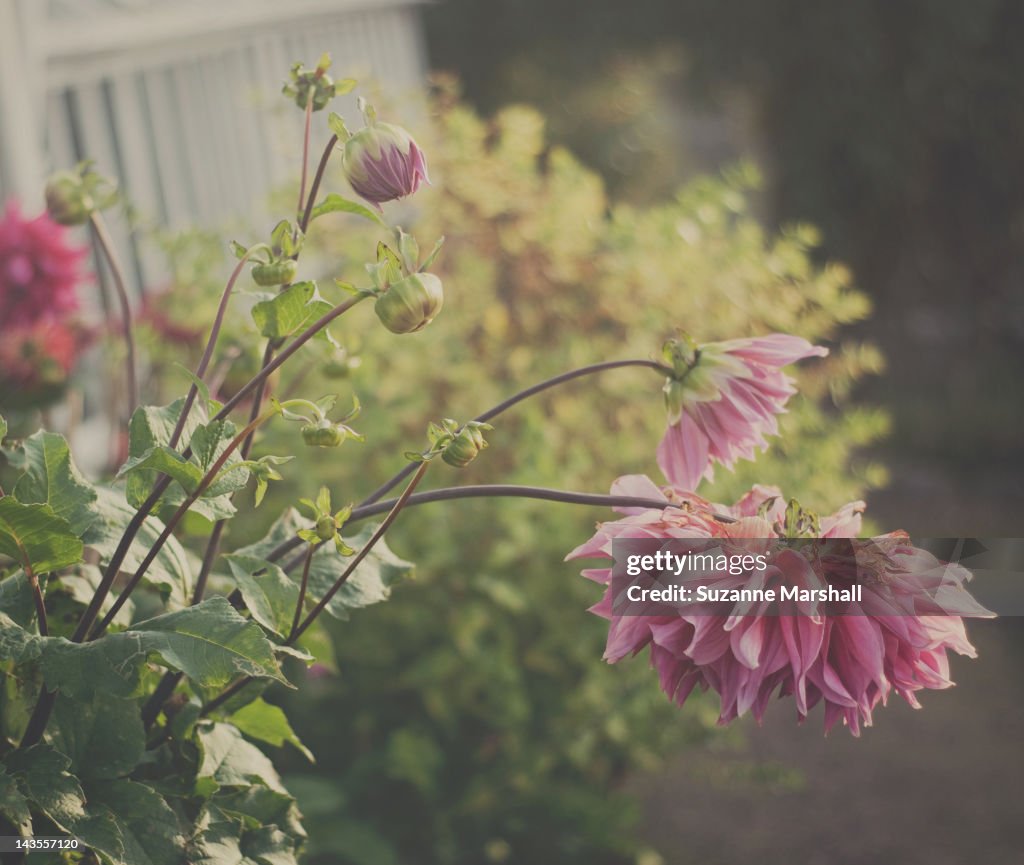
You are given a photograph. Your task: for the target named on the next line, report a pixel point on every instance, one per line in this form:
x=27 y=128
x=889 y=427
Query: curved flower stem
x=389 y=485
x=303 y=585
x=527 y=492
x=106 y=245
x=133 y=527
x=172 y=523
x=117 y=559
x=317 y=178
x=37 y=597
x=293 y=347
x=47 y=698
x=211 y=342
x=305 y=155
x=318 y=608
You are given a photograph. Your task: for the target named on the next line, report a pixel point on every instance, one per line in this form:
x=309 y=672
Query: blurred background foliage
x=471 y=720
x=893 y=125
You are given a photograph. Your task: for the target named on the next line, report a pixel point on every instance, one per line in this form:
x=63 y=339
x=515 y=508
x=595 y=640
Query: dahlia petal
x=775 y=349
x=683 y=453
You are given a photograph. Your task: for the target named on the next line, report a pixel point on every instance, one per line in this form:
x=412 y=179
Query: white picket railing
x=180 y=99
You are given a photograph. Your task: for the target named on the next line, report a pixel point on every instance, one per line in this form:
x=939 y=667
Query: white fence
x=177 y=98
x=180 y=100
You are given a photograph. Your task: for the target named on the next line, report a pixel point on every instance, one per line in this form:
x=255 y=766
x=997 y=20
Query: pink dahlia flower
x=36 y=360
x=39 y=270
x=896 y=639
x=382 y=163
x=722 y=401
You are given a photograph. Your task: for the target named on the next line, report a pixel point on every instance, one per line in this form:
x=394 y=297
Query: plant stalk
x=516 y=398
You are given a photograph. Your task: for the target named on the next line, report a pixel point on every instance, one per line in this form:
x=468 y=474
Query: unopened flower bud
x=326 y=528
x=464 y=447
x=410 y=304
x=382 y=162
x=275 y=273
x=67 y=200
x=322 y=435
x=314 y=87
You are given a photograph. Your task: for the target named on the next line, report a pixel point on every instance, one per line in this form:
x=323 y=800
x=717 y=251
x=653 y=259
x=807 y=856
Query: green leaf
x=267 y=723
x=371 y=581
x=109 y=666
x=211 y=643
x=163 y=459
x=150 y=429
x=343 y=86
x=429 y=260
x=13 y=804
x=222 y=841
x=269 y=846
x=151 y=426
x=103 y=738
x=149 y=829
x=388 y=259
x=34 y=536
x=270 y=597
x=335 y=203
x=338 y=127
x=201 y=386
x=291 y=311
x=51 y=477
x=369 y=584
x=208 y=442
x=43 y=778
x=229 y=761
x=17 y=644
x=170 y=572
x=16 y=599
x=258 y=806
x=3 y=428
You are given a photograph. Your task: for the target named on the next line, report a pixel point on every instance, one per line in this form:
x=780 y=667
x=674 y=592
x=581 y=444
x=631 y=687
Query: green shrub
x=472 y=722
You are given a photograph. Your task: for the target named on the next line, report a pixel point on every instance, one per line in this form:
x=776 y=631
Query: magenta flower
x=36 y=361
x=910 y=615
x=382 y=162
x=39 y=270
x=722 y=401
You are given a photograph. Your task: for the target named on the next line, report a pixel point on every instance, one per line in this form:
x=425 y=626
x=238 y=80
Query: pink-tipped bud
x=382 y=162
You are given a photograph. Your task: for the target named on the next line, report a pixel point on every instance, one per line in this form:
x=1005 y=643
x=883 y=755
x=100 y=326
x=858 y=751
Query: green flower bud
x=410 y=304
x=326 y=528
x=322 y=435
x=275 y=273
x=314 y=85
x=464 y=447
x=67 y=200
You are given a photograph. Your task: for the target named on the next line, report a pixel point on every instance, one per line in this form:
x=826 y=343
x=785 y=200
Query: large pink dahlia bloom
x=39 y=270
x=897 y=639
x=723 y=400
